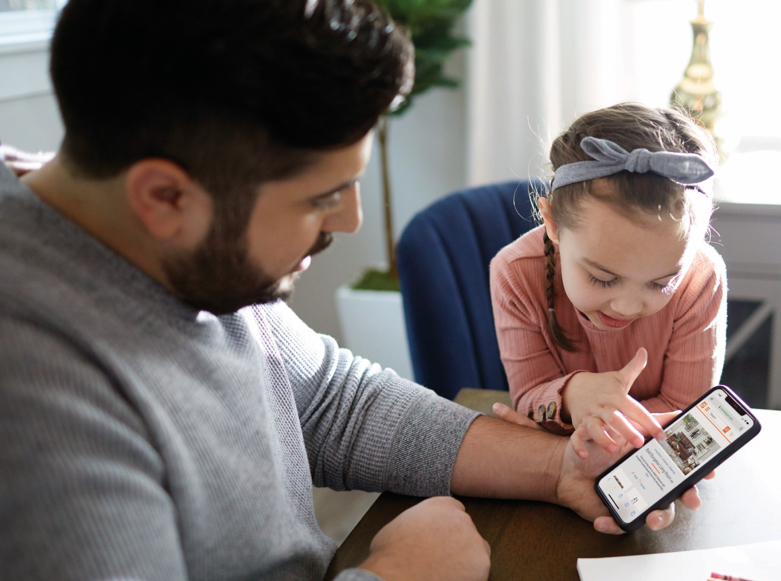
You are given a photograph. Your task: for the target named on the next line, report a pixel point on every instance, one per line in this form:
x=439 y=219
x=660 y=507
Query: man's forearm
x=498 y=459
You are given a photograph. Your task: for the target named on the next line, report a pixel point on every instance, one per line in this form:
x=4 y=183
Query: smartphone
x=705 y=434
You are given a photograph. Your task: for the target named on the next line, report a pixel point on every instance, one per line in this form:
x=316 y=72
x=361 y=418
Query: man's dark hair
x=236 y=92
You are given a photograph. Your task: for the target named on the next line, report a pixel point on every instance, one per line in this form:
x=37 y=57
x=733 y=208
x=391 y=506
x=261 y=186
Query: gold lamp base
x=696 y=92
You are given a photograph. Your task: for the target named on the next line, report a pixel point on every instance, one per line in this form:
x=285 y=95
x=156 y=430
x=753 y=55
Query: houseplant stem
x=390 y=247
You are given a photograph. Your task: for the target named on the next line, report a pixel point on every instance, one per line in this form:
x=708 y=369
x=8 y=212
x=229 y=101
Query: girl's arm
x=535 y=375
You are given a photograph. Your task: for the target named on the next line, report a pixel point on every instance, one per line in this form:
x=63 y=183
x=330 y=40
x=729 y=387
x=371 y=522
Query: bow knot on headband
x=610 y=158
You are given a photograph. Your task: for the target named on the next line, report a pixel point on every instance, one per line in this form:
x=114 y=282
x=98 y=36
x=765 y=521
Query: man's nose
x=349 y=217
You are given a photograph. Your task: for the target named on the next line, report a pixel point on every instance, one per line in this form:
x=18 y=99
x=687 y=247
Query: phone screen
x=700 y=433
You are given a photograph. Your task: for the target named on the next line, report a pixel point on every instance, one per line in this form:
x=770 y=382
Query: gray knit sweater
x=143 y=440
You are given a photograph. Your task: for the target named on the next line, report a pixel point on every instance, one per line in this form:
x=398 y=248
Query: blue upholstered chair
x=443 y=256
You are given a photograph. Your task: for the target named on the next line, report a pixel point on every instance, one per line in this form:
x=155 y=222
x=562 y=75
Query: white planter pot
x=373 y=327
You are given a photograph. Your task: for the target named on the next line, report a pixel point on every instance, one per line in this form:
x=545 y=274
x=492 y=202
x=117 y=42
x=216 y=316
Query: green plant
x=430 y=24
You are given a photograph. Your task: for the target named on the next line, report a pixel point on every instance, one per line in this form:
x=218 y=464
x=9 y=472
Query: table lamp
x=696 y=92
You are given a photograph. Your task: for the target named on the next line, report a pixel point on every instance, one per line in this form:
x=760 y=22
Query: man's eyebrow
x=339 y=188
x=603 y=269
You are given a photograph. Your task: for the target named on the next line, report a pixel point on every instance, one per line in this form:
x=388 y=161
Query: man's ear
x=171 y=206
x=550 y=226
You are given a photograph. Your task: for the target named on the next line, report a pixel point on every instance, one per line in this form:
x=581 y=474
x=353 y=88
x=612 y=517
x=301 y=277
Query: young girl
x=616 y=306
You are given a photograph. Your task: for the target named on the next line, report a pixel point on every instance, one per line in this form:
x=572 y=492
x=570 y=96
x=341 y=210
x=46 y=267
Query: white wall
x=31 y=123
x=28 y=112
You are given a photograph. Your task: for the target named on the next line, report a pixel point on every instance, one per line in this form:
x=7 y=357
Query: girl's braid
x=557 y=333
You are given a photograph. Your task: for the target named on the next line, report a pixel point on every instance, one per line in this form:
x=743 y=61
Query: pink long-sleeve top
x=685 y=341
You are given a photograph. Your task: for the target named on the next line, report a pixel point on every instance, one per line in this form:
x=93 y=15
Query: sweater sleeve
x=535 y=377
x=694 y=357
x=364 y=427
x=83 y=490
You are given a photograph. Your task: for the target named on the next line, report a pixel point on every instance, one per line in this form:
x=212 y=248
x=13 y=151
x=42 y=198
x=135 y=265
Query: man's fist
x=435 y=540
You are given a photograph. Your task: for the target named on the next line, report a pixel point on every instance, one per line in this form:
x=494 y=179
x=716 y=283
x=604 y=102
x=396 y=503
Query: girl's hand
x=508 y=414
x=600 y=409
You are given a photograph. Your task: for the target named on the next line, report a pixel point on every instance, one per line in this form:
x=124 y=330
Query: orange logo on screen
x=725 y=430
x=705 y=406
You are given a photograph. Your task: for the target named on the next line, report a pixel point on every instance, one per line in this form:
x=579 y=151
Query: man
x=163 y=414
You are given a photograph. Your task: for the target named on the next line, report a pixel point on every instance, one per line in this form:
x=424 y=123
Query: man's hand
x=575 y=488
x=432 y=541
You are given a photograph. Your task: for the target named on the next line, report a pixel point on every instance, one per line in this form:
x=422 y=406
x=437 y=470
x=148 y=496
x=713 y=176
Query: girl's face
x=617 y=269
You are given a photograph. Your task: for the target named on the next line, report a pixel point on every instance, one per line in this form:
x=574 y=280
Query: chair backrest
x=443 y=256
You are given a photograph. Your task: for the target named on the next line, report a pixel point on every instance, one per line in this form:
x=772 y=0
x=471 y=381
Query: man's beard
x=219 y=277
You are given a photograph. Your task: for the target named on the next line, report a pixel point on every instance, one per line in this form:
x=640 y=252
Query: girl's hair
x=636 y=195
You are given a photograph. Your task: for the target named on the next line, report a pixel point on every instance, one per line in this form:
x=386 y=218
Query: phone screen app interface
x=646 y=476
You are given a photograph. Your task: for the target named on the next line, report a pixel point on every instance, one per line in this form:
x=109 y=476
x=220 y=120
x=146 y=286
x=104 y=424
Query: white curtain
x=535 y=65
x=513 y=84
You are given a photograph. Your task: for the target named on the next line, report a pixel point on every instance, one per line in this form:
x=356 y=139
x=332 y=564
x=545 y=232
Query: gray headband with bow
x=611 y=158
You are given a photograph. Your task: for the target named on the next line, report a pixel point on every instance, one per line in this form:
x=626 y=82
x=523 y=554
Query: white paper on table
x=758 y=562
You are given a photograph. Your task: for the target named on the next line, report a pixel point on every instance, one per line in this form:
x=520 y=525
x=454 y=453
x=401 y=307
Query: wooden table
x=538 y=541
